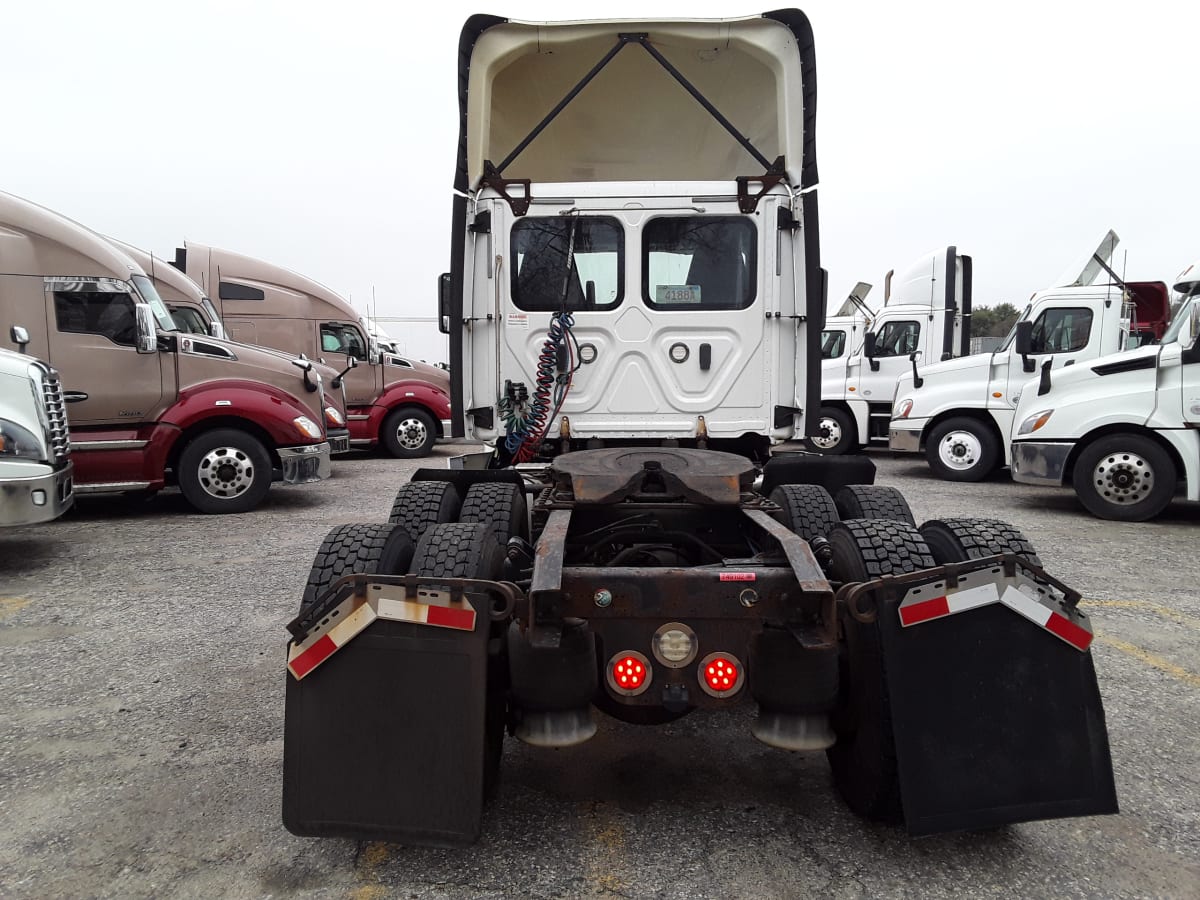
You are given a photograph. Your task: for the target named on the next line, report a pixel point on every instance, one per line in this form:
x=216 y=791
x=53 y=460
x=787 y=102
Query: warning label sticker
x=738 y=576
x=517 y=320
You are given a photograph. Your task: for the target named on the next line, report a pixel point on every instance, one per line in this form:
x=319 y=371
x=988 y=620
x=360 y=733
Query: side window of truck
x=541 y=246
x=189 y=320
x=699 y=262
x=342 y=339
x=1061 y=330
x=97 y=312
x=898 y=338
x=833 y=344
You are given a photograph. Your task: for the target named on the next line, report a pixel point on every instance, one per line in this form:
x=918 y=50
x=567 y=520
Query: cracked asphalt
x=141 y=720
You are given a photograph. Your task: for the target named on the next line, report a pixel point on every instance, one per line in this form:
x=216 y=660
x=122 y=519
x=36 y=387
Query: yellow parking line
x=373 y=856
x=1165 y=611
x=10 y=605
x=1151 y=659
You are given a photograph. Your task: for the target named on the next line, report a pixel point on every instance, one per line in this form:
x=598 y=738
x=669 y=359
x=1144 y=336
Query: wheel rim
x=411 y=434
x=831 y=434
x=960 y=451
x=1123 y=478
x=225 y=473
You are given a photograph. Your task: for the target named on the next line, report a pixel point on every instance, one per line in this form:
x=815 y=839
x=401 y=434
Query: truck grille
x=56 y=415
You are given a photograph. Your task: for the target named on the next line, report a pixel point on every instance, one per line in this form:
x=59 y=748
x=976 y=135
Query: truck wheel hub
x=830 y=435
x=226 y=472
x=1123 y=478
x=960 y=450
x=411 y=433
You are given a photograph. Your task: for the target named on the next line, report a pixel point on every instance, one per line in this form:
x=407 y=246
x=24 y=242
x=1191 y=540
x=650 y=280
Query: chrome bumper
x=302 y=465
x=339 y=441
x=904 y=440
x=27 y=501
x=1040 y=463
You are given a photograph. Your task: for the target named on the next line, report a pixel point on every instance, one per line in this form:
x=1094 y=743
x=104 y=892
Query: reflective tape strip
x=347 y=621
x=914 y=613
x=460 y=618
x=1056 y=623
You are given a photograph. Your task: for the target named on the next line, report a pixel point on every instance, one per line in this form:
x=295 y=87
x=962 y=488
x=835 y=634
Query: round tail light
x=721 y=674
x=629 y=673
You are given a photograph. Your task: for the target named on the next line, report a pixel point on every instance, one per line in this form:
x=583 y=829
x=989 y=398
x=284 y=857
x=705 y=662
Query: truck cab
x=960 y=413
x=148 y=405
x=1123 y=429
x=925 y=316
x=399 y=404
x=35 y=453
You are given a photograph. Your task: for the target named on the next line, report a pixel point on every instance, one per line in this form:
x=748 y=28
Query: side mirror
x=918 y=381
x=217 y=330
x=443 y=295
x=147 y=328
x=589 y=294
x=20 y=337
x=869 y=350
x=1024 y=344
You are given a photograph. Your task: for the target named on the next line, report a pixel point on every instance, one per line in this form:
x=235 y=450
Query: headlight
x=307 y=427
x=333 y=418
x=1034 y=422
x=17 y=442
x=903 y=409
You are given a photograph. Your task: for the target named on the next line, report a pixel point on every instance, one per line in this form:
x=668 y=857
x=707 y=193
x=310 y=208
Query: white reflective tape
x=403 y=610
x=1026 y=606
x=972 y=598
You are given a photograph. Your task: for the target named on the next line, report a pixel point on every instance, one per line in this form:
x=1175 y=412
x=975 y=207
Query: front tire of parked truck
x=962 y=449
x=224 y=471
x=1126 y=477
x=836 y=432
x=409 y=432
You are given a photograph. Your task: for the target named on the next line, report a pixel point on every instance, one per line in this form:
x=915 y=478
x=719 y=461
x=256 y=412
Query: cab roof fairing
x=511 y=74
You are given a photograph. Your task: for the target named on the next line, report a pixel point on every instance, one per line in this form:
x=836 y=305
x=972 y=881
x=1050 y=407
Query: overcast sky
x=322 y=136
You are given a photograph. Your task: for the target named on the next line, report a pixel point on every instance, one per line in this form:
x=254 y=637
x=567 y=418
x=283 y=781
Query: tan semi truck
x=193 y=313
x=403 y=405
x=148 y=405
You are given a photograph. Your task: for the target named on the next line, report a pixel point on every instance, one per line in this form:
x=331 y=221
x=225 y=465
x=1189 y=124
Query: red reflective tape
x=738 y=576
x=448 y=617
x=1069 y=631
x=313 y=656
x=933 y=608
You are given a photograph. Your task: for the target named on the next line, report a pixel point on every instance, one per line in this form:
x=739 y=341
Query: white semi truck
x=926 y=316
x=635 y=287
x=1123 y=430
x=35 y=445
x=960 y=412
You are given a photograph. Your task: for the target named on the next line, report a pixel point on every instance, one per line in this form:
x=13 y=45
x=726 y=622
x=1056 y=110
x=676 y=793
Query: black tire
x=357 y=550
x=225 y=470
x=472 y=550
x=421 y=504
x=841 y=432
x=808 y=510
x=962 y=449
x=408 y=432
x=873 y=501
x=957 y=540
x=499 y=505
x=863 y=759
x=1126 y=477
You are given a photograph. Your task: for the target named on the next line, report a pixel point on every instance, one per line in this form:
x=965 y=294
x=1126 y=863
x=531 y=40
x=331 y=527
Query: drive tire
x=863 y=759
x=422 y=504
x=808 y=510
x=408 y=432
x=357 y=549
x=224 y=461
x=958 y=540
x=962 y=449
x=499 y=505
x=873 y=501
x=1125 y=477
x=843 y=433
x=473 y=550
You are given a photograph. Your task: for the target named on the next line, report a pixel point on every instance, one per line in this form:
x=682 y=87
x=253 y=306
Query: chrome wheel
x=960 y=450
x=1123 y=478
x=225 y=472
x=830 y=436
x=411 y=433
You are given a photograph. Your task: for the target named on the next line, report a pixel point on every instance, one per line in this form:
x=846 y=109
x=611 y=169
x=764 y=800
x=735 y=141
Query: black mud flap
x=996 y=721
x=831 y=472
x=385 y=739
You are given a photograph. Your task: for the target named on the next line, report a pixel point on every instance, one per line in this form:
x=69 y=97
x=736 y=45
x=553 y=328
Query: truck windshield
x=1182 y=317
x=541 y=245
x=145 y=287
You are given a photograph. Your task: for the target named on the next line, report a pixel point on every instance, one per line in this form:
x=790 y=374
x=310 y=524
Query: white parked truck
x=960 y=412
x=926 y=316
x=635 y=288
x=35 y=446
x=1123 y=430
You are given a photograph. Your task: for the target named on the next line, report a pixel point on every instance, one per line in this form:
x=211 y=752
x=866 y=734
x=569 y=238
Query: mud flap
x=385 y=739
x=996 y=720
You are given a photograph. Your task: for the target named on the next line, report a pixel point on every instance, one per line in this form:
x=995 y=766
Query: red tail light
x=721 y=674
x=629 y=673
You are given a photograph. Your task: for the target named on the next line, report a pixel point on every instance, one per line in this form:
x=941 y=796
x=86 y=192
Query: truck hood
x=400 y=369
x=204 y=358
x=1116 y=369
x=956 y=369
